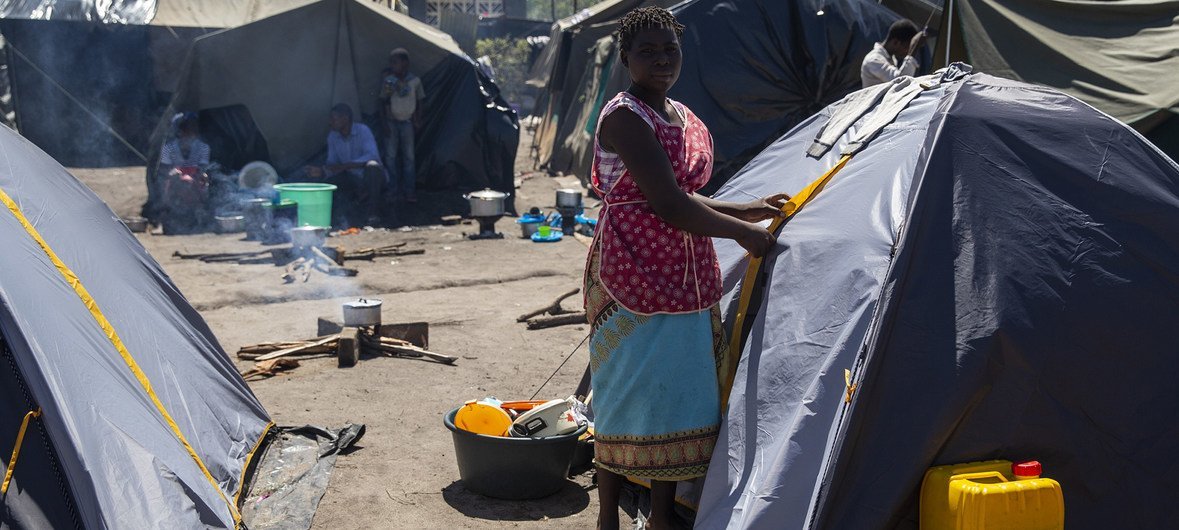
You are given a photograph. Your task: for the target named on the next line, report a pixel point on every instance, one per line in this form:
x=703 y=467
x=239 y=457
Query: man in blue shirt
x=353 y=165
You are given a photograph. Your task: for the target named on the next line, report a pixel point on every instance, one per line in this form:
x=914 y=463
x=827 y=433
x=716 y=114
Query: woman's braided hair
x=645 y=18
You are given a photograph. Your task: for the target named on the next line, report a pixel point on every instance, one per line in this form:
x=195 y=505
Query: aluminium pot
x=308 y=236
x=230 y=224
x=362 y=313
x=486 y=203
x=568 y=198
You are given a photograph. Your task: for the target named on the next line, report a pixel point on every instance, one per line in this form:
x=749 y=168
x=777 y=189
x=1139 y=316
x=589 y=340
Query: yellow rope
x=736 y=341
x=20 y=438
x=109 y=330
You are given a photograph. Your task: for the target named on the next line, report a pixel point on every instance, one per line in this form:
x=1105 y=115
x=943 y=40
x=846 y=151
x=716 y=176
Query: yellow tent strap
x=73 y=281
x=791 y=207
x=20 y=438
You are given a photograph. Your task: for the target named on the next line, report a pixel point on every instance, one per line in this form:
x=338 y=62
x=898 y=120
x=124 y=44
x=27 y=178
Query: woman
x=652 y=278
x=183 y=161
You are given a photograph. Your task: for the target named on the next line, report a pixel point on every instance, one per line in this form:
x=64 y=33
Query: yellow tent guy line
x=109 y=330
x=20 y=438
x=736 y=341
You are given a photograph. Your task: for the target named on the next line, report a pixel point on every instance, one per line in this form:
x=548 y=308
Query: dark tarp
x=106 y=12
x=1121 y=57
x=752 y=70
x=288 y=70
x=999 y=269
x=112 y=461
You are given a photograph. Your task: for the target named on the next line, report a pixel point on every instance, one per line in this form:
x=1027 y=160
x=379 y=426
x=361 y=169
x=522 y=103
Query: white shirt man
x=881 y=66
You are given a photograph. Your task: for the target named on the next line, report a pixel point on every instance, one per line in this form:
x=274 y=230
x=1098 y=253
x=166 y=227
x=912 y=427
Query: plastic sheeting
x=996 y=268
x=752 y=70
x=111 y=460
x=334 y=51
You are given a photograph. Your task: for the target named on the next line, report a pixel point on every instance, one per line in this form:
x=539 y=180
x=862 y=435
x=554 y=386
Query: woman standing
x=652 y=277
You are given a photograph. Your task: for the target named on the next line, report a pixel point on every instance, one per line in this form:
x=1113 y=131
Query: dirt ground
x=404 y=474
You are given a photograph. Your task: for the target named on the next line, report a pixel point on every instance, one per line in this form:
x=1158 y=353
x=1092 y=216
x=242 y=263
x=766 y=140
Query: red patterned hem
x=677 y=456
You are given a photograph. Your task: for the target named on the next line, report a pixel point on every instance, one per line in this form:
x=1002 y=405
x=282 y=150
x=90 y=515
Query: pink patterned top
x=647 y=265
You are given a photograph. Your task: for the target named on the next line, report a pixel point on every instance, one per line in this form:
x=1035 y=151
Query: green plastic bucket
x=314 y=200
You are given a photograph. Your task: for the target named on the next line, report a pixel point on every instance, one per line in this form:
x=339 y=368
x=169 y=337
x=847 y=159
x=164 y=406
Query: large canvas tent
x=996 y=267
x=277 y=78
x=143 y=420
x=1117 y=56
x=752 y=70
x=87 y=81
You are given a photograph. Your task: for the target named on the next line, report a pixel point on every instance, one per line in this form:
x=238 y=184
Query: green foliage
x=509 y=58
x=543 y=9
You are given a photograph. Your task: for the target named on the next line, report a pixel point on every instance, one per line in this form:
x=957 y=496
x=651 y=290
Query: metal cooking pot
x=308 y=236
x=362 y=313
x=136 y=224
x=256 y=217
x=229 y=224
x=568 y=198
x=486 y=203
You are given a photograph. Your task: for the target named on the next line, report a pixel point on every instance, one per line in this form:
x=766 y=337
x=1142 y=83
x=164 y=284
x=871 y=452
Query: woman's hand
x=757 y=240
x=763 y=208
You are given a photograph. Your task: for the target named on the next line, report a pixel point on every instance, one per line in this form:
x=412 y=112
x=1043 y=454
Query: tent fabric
x=1117 y=56
x=218 y=13
x=995 y=268
x=107 y=12
x=752 y=70
x=112 y=459
x=290 y=69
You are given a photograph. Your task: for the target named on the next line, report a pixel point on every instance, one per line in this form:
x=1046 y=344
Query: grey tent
x=1121 y=57
x=144 y=421
x=752 y=70
x=997 y=267
x=270 y=84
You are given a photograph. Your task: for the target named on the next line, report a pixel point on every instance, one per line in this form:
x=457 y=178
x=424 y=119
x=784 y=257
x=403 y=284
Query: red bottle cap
x=1031 y=468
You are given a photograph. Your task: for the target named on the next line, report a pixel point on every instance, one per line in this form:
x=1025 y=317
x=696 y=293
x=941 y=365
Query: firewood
x=559 y=320
x=552 y=309
x=289 y=351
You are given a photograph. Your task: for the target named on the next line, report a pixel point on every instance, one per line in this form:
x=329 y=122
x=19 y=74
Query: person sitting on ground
x=880 y=65
x=652 y=292
x=353 y=165
x=185 y=193
x=401 y=97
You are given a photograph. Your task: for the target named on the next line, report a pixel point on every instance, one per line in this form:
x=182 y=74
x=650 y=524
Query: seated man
x=881 y=64
x=185 y=194
x=353 y=165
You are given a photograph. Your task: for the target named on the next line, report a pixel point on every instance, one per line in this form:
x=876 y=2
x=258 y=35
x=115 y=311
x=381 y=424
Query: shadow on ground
x=572 y=499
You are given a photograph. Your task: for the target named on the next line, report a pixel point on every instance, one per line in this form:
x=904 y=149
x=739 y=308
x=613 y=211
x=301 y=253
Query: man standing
x=880 y=65
x=353 y=165
x=401 y=96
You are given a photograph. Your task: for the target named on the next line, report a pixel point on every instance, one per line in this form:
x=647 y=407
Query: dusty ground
x=404 y=474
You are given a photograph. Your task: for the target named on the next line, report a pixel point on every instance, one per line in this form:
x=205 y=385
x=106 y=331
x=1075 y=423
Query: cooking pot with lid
x=486 y=203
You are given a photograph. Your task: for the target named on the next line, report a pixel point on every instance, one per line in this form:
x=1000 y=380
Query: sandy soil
x=404 y=474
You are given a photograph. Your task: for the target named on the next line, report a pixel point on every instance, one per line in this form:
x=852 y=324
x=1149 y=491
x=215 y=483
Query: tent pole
x=949 y=30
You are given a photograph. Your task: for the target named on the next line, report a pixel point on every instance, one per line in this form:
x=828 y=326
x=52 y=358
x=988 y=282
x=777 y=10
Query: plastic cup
x=544 y=230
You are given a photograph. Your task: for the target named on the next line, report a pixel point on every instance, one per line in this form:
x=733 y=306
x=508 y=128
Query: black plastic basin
x=512 y=468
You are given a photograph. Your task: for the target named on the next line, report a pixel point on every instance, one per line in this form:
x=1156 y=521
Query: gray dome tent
x=143 y=418
x=997 y=268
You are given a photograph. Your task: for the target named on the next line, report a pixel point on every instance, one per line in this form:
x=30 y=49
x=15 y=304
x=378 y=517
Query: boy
x=401 y=96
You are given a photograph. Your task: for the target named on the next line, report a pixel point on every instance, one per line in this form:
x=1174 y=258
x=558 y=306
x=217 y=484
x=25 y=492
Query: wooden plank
x=297 y=349
x=348 y=347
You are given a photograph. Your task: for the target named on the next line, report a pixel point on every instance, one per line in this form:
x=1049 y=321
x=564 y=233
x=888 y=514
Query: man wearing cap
x=401 y=97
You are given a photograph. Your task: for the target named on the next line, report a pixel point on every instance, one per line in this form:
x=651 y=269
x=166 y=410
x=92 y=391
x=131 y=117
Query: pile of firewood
x=556 y=315
x=348 y=345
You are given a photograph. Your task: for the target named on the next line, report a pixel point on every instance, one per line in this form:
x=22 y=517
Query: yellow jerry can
x=991 y=495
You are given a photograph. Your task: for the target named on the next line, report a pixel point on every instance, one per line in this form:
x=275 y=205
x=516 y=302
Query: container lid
x=569 y=191
x=530 y=218
x=482 y=418
x=1031 y=468
x=257 y=174
x=363 y=303
x=487 y=194
x=285 y=203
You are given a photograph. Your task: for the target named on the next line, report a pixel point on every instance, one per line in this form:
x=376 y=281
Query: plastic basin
x=512 y=468
x=314 y=200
